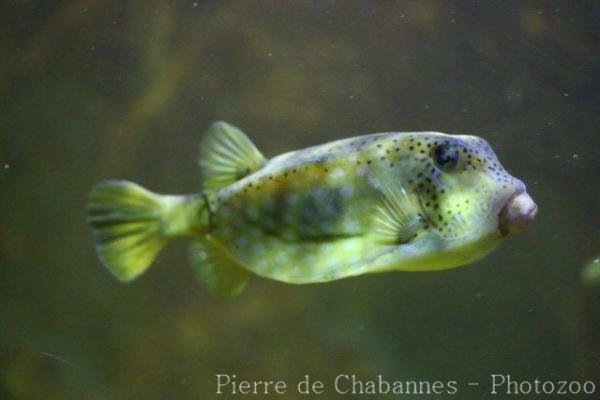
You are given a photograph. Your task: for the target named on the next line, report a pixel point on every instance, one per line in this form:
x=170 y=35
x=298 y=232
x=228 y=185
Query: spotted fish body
x=312 y=215
x=389 y=201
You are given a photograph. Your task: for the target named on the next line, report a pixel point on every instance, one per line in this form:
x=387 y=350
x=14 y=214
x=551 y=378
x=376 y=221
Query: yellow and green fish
x=411 y=201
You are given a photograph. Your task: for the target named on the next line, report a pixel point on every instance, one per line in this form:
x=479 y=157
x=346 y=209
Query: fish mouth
x=518 y=212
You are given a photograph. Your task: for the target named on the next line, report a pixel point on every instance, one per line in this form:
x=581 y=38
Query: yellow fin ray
x=396 y=219
x=217 y=270
x=227 y=155
x=132 y=224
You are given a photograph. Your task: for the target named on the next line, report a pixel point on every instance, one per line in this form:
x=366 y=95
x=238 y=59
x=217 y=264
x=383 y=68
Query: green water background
x=91 y=90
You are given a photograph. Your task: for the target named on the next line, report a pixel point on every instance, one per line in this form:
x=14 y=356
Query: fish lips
x=518 y=213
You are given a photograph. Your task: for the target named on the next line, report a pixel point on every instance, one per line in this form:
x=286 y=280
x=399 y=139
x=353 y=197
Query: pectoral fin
x=217 y=270
x=396 y=219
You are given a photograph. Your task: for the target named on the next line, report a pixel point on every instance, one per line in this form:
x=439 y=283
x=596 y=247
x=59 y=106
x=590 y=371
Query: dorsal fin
x=396 y=219
x=226 y=155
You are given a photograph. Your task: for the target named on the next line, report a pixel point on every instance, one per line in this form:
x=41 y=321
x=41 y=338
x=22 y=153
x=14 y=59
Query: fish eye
x=446 y=156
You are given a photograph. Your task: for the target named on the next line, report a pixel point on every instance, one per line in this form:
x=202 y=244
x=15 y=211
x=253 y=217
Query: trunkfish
x=411 y=201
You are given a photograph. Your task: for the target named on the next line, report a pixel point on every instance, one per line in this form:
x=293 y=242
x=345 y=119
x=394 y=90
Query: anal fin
x=227 y=155
x=217 y=270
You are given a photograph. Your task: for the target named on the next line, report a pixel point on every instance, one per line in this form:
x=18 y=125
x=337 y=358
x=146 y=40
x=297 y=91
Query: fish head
x=466 y=196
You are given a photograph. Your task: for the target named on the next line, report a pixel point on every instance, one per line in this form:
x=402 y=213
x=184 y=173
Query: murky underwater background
x=91 y=90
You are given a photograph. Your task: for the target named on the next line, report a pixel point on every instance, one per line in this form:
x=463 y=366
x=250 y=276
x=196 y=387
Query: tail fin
x=132 y=224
